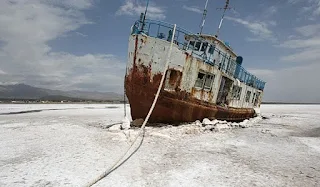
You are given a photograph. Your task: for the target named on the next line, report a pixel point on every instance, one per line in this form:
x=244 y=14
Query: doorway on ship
x=224 y=90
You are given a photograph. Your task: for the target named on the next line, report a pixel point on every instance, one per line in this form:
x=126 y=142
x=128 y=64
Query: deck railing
x=163 y=30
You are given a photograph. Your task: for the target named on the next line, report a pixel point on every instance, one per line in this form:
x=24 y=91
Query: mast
x=225 y=8
x=144 y=16
x=204 y=17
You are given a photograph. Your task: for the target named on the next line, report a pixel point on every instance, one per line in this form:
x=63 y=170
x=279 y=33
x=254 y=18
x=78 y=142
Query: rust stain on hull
x=172 y=107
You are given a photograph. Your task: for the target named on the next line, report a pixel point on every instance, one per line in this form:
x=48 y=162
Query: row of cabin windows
x=236 y=94
x=226 y=62
x=204 y=80
x=203 y=46
x=249 y=95
x=199 y=46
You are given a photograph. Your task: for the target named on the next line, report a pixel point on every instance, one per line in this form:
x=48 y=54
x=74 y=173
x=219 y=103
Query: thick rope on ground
x=123 y=158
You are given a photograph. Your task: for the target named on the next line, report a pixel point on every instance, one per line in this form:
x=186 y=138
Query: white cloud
x=26 y=27
x=262 y=72
x=259 y=29
x=307 y=45
x=309 y=30
x=2 y=72
x=305 y=9
x=77 y=4
x=8 y=83
x=134 y=8
x=252 y=39
x=317 y=9
x=81 y=34
x=270 y=11
x=272 y=23
x=309 y=7
x=303 y=56
x=294 y=1
x=313 y=42
x=86 y=71
x=193 y=9
x=295 y=84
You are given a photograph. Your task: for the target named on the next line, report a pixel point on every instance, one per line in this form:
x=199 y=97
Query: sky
x=83 y=44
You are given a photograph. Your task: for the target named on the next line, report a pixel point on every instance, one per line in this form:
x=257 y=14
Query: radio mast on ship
x=225 y=8
x=143 y=16
x=204 y=17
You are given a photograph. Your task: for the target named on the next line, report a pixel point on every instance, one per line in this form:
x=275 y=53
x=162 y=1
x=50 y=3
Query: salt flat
x=68 y=145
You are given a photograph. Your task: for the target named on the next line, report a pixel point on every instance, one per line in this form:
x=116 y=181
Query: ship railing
x=163 y=30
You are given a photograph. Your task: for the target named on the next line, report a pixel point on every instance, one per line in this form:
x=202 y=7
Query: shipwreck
x=204 y=79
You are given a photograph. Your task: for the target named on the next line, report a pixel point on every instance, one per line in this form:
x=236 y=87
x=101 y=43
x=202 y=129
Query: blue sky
x=82 y=44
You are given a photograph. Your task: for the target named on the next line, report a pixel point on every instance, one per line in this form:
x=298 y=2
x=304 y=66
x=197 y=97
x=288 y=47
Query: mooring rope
x=123 y=158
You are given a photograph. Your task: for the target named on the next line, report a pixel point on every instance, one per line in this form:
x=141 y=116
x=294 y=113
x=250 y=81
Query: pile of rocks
x=217 y=125
x=197 y=126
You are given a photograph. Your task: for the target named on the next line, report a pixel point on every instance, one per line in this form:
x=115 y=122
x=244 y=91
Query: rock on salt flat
x=221 y=125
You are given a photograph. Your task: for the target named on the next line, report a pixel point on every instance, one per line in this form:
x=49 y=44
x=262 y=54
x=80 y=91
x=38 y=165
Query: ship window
x=256 y=99
x=204 y=81
x=236 y=92
x=191 y=45
x=208 y=82
x=200 y=80
x=253 y=98
x=204 y=46
x=211 y=49
x=248 y=96
x=197 y=46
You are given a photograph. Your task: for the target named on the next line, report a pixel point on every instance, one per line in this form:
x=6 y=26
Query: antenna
x=204 y=17
x=144 y=16
x=225 y=8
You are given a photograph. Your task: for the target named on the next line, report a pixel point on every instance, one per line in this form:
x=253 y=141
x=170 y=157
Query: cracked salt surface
x=70 y=147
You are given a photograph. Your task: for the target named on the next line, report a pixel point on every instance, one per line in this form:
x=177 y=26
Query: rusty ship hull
x=195 y=87
x=173 y=107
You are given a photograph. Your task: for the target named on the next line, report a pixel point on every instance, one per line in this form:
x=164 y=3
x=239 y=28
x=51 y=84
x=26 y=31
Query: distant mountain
x=23 y=91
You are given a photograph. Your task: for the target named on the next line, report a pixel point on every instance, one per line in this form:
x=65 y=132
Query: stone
x=222 y=126
x=192 y=131
x=209 y=127
x=198 y=123
x=214 y=122
x=206 y=121
x=223 y=122
x=235 y=125
x=244 y=124
x=138 y=122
